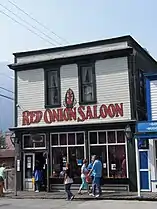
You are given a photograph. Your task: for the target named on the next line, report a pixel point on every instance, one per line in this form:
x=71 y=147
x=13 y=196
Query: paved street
x=60 y=204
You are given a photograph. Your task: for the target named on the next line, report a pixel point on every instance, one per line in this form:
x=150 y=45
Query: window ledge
x=88 y=103
x=52 y=106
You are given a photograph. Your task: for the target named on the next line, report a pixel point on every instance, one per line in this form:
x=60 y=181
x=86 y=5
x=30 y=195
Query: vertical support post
x=137 y=168
x=15 y=178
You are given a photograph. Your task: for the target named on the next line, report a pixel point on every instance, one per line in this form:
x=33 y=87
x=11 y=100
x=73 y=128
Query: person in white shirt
x=68 y=181
x=84 y=173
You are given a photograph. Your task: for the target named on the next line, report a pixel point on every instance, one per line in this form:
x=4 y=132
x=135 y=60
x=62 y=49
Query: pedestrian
x=90 y=168
x=38 y=177
x=2 y=178
x=84 y=173
x=68 y=181
x=97 y=174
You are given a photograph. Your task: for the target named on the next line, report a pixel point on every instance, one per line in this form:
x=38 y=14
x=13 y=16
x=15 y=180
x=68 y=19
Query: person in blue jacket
x=38 y=177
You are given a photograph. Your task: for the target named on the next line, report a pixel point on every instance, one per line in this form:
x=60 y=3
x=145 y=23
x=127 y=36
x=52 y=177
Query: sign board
x=147 y=127
x=72 y=113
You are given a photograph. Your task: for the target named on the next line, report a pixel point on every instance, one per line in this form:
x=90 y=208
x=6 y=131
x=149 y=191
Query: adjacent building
x=147 y=136
x=75 y=101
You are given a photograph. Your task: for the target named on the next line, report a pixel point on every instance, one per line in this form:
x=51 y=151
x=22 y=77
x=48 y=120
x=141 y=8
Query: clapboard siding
x=153 y=97
x=112 y=87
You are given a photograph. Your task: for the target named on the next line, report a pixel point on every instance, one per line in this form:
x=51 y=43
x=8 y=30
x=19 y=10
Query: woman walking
x=68 y=181
x=84 y=173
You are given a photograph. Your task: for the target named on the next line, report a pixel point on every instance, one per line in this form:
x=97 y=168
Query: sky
x=76 y=21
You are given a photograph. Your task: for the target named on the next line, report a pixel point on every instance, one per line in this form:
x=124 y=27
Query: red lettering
x=119 y=110
x=60 y=113
x=55 y=115
x=66 y=114
x=95 y=114
x=48 y=117
x=111 y=110
x=72 y=113
x=31 y=116
x=81 y=113
x=25 y=118
x=38 y=117
x=103 y=111
x=89 y=113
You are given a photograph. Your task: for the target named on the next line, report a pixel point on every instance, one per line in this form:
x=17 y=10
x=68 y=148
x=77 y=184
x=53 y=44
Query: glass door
x=102 y=153
x=28 y=167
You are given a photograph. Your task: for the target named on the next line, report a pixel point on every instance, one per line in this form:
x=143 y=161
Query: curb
x=87 y=199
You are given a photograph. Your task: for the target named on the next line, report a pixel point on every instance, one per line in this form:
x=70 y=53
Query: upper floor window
x=87 y=83
x=52 y=81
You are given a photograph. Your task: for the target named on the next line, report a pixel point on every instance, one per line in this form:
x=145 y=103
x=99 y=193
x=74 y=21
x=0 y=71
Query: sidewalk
x=145 y=196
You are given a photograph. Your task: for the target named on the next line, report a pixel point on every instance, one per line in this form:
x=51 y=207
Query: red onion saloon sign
x=71 y=113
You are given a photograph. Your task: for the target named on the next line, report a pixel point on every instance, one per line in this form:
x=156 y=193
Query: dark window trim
x=80 y=65
x=46 y=70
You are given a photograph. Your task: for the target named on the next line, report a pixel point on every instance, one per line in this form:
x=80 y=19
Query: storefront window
x=71 y=149
x=117 y=161
x=59 y=160
x=63 y=139
x=111 y=137
x=102 y=152
x=31 y=142
x=54 y=139
x=102 y=137
x=120 y=137
x=93 y=137
x=110 y=146
x=71 y=139
x=79 y=138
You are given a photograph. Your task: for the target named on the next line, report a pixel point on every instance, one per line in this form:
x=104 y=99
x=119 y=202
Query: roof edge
x=74 y=46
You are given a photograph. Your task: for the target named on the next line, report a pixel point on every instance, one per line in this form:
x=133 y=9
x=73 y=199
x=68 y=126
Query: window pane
x=53 y=95
x=120 y=137
x=87 y=92
x=27 y=142
x=86 y=75
x=80 y=138
x=59 y=159
x=102 y=137
x=117 y=161
x=71 y=139
x=52 y=79
x=76 y=156
x=54 y=139
x=41 y=142
x=63 y=139
x=93 y=137
x=28 y=166
x=101 y=152
x=111 y=137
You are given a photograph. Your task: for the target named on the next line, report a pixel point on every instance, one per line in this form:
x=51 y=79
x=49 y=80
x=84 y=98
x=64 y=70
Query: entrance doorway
x=30 y=160
x=41 y=160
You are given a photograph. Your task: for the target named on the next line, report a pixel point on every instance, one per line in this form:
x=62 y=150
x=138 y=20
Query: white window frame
x=65 y=146
x=34 y=148
x=108 y=144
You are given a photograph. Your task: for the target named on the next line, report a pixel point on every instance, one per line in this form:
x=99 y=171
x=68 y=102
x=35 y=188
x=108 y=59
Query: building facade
x=147 y=135
x=75 y=101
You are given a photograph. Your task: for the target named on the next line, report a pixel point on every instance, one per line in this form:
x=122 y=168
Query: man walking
x=97 y=174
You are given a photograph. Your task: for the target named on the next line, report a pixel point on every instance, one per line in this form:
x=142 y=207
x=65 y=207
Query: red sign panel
x=79 y=114
x=72 y=113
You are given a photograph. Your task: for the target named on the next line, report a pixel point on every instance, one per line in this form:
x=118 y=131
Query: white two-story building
x=75 y=101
